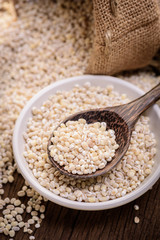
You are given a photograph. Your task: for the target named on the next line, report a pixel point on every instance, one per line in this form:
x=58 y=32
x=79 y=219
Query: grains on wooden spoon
x=83 y=148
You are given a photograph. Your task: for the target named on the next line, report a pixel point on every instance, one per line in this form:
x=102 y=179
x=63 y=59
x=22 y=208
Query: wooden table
x=62 y=223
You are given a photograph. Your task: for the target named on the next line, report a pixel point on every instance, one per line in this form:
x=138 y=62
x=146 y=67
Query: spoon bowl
x=113 y=121
x=119 y=118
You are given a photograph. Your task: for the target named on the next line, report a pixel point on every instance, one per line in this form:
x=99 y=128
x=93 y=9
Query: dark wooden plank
x=67 y=224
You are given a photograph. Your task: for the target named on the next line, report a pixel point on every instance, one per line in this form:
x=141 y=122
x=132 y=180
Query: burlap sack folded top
x=127 y=35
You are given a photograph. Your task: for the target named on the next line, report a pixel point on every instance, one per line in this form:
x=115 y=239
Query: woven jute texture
x=127 y=35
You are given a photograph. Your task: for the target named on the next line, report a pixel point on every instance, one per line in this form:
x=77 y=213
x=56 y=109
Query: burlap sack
x=127 y=35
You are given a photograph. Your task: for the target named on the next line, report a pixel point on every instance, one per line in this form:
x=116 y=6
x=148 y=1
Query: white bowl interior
x=67 y=84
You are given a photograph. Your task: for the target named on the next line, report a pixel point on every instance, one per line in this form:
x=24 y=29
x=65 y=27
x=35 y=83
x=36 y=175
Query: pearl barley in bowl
x=134 y=175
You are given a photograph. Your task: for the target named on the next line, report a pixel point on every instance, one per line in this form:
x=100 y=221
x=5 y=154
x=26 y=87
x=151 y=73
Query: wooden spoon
x=119 y=118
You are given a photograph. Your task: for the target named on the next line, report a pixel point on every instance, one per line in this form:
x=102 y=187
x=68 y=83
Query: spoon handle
x=135 y=108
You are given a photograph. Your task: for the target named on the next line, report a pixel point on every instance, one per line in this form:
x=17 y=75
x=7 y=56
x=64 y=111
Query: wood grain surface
x=62 y=223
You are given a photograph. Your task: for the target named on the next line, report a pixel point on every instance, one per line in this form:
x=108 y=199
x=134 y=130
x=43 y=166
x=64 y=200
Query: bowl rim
x=63 y=201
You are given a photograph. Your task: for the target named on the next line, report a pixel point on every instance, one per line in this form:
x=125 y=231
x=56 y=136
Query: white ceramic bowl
x=120 y=86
